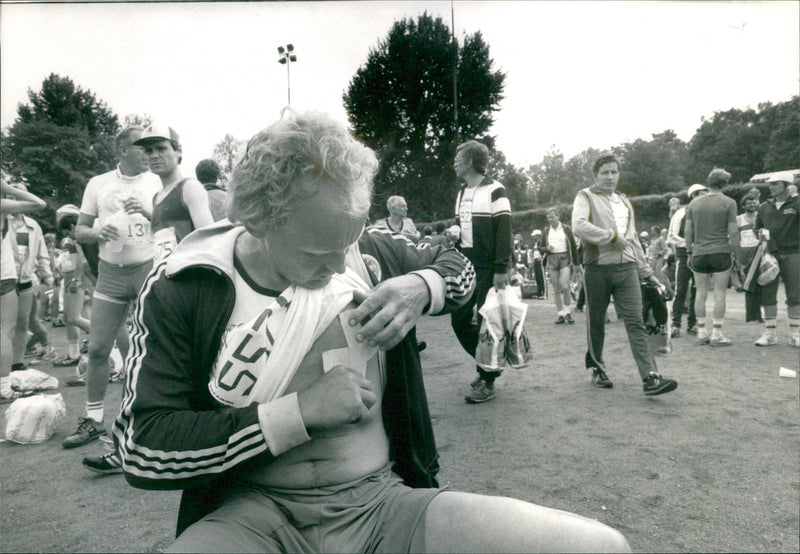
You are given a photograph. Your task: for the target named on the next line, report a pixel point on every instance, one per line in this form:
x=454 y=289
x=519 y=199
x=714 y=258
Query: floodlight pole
x=287 y=56
x=455 y=73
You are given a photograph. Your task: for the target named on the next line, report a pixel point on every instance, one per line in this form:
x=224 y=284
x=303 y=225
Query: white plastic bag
x=33 y=419
x=32 y=380
x=503 y=341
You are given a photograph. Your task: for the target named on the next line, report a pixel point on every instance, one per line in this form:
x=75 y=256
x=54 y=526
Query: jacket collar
x=210 y=246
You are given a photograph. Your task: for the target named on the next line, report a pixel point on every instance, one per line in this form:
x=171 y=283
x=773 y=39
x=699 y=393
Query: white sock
x=74 y=349
x=717 y=329
x=5 y=385
x=567 y=310
x=94 y=410
x=769 y=327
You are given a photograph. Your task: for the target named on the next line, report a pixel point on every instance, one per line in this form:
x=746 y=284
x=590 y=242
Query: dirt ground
x=711 y=467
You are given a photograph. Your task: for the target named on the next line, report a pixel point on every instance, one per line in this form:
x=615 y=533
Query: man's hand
x=390 y=311
x=134 y=206
x=500 y=280
x=107 y=232
x=339 y=397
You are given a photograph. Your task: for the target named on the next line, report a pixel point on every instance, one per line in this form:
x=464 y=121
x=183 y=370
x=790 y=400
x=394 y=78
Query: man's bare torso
x=332 y=456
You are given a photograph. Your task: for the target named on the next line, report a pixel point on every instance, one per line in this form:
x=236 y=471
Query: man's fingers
x=367 y=305
x=359 y=296
x=369 y=398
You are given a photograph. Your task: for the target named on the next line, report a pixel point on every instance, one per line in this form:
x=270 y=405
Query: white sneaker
x=767 y=340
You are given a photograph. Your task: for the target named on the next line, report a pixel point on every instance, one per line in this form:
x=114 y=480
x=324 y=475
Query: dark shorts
x=377 y=513
x=8 y=285
x=22 y=287
x=711 y=263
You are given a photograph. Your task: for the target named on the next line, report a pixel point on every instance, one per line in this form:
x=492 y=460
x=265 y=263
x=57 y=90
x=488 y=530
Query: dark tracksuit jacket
x=172 y=434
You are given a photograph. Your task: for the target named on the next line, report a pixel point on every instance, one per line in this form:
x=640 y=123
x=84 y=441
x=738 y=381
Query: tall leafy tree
x=226 y=154
x=653 y=166
x=400 y=103
x=784 y=139
x=61 y=138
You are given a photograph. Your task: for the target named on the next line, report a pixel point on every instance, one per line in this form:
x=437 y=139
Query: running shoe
x=720 y=340
x=34 y=351
x=675 y=333
x=79 y=381
x=691 y=330
x=47 y=355
x=482 y=392
x=656 y=384
x=600 y=379
x=569 y=319
x=560 y=320
x=107 y=464
x=702 y=340
x=15 y=395
x=767 y=340
x=87 y=431
x=66 y=361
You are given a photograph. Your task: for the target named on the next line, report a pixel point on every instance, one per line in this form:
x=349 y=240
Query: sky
x=578 y=74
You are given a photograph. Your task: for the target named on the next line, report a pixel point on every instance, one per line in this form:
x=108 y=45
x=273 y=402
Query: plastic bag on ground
x=34 y=419
x=32 y=380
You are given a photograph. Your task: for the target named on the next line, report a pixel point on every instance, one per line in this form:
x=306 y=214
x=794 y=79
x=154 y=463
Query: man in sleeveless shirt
x=181 y=206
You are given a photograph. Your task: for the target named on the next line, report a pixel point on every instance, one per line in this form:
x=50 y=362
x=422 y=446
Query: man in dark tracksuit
x=483 y=214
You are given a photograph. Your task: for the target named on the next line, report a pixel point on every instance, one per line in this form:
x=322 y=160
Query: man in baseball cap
x=778 y=224
x=181 y=206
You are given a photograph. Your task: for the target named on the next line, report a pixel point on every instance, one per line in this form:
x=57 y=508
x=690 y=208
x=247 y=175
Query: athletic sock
x=701 y=329
x=567 y=310
x=94 y=410
x=74 y=350
x=769 y=327
x=717 y=329
x=794 y=326
x=5 y=386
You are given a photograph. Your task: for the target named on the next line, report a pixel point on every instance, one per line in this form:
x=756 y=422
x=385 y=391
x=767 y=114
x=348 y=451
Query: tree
x=134 y=119
x=61 y=139
x=653 y=167
x=226 y=154
x=400 y=103
x=784 y=140
x=63 y=103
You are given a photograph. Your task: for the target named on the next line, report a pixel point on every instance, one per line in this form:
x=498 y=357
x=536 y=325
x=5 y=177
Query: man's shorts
x=557 y=261
x=22 y=287
x=377 y=513
x=8 y=285
x=790 y=275
x=120 y=284
x=711 y=263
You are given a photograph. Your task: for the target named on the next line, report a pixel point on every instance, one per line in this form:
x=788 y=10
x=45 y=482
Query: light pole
x=287 y=56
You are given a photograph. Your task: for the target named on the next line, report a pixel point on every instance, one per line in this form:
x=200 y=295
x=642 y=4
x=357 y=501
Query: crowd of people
x=268 y=330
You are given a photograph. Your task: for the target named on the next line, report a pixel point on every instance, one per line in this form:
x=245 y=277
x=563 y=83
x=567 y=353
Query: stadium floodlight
x=286 y=57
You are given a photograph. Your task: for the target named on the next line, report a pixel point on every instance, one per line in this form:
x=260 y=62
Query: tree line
x=400 y=103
